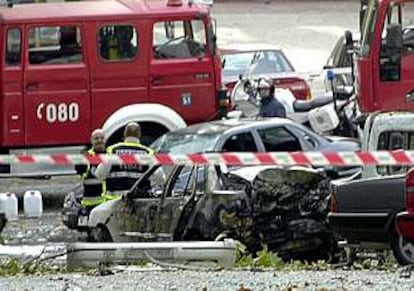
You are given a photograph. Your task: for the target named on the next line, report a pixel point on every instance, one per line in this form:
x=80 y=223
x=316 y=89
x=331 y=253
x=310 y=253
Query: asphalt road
x=306 y=30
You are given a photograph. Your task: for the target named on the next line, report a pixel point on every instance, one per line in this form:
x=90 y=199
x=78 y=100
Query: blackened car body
x=284 y=208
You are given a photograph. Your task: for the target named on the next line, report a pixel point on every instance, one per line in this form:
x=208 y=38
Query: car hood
x=279 y=173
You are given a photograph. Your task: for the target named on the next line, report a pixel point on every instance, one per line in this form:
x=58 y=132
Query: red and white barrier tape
x=269 y=158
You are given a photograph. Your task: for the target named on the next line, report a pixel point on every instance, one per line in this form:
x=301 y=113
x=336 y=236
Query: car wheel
x=402 y=248
x=100 y=234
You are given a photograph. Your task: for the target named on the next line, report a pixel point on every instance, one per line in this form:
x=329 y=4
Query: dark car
x=366 y=208
x=284 y=208
x=252 y=135
x=261 y=60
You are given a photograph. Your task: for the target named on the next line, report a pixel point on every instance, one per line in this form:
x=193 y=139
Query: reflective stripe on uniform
x=125 y=174
x=93 y=187
x=122 y=177
x=92 y=181
x=92 y=201
x=113 y=196
x=150 y=151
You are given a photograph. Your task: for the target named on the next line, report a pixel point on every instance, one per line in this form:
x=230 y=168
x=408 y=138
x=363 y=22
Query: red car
x=261 y=60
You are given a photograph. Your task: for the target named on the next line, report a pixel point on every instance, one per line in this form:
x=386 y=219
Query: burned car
x=284 y=208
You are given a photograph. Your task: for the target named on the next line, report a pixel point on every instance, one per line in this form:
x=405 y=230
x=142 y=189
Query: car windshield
x=255 y=63
x=184 y=142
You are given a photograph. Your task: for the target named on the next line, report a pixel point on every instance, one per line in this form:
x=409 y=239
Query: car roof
x=221 y=126
x=73 y=11
x=248 y=47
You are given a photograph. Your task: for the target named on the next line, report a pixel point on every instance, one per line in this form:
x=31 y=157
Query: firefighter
x=92 y=193
x=119 y=179
x=269 y=107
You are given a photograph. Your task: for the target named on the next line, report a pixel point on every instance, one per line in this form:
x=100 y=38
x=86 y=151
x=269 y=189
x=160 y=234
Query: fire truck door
x=57 y=105
x=395 y=87
x=181 y=70
x=12 y=118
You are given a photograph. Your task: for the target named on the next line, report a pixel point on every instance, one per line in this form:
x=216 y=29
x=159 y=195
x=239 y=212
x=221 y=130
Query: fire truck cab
x=67 y=68
x=385 y=61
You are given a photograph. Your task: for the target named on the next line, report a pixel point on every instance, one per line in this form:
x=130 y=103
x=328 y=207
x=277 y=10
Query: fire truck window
x=390 y=64
x=179 y=39
x=14 y=47
x=118 y=43
x=55 y=45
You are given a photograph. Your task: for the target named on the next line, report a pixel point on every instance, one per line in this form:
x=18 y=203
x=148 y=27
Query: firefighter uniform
x=93 y=187
x=122 y=177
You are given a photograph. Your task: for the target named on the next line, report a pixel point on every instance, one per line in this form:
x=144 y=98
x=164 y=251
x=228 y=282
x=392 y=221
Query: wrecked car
x=284 y=208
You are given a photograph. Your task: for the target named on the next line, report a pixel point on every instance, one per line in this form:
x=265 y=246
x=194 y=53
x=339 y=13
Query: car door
x=309 y=140
x=186 y=181
x=136 y=216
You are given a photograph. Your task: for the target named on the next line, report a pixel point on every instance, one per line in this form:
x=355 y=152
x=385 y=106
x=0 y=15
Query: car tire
x=100 y=234
x=402 y=248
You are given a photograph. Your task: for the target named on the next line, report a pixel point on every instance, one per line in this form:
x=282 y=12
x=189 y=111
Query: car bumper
x=358 y=227
x=73 y=220
x=404 y=223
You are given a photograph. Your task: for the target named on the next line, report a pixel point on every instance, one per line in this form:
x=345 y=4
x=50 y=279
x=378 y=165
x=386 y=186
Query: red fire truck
x=385 y=61
x=70 y=67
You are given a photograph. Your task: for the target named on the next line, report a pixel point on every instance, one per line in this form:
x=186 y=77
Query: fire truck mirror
x=349 y=43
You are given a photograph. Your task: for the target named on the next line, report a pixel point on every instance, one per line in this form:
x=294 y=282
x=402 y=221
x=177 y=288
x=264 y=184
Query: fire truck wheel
x=402 y=248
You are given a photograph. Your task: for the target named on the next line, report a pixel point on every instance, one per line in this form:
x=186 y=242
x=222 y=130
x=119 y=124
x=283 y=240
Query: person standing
x=92 y=186
x=119 y=179
x=269 y=106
